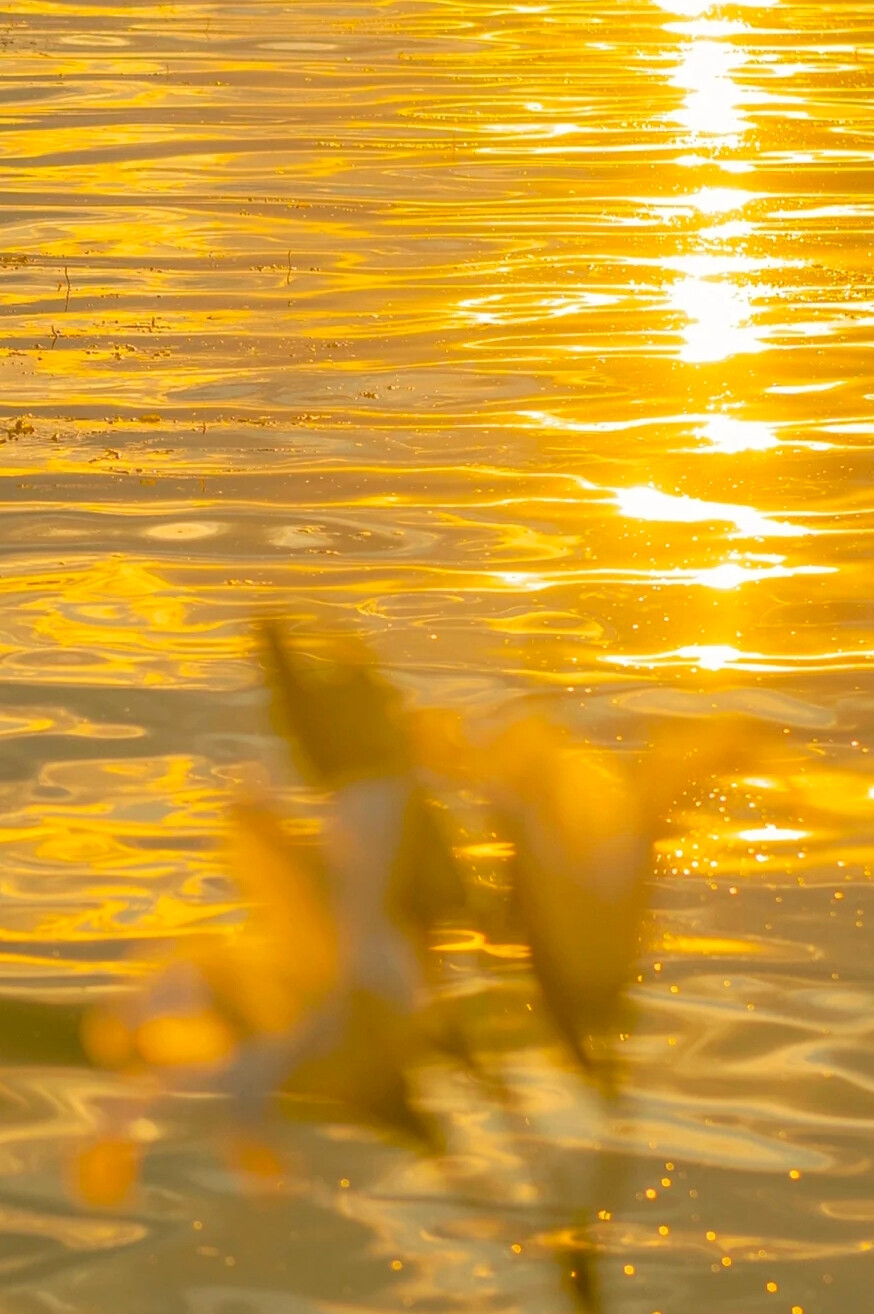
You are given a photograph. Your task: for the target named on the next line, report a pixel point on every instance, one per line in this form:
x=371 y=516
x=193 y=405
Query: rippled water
x=537 y=338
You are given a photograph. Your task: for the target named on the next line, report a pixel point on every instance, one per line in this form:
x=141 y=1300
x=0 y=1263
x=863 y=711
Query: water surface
x=535 y=339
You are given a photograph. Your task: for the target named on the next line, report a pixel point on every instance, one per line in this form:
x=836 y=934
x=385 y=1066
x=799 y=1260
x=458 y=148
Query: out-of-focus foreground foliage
x=331 y=990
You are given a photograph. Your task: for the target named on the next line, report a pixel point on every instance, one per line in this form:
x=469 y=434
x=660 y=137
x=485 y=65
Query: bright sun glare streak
x=723 y=434
x=706 y=657
x=711 y=657
x=715 y=202
x=718 y=656
x=719 y=320
x=719 y=200
x=771 y=834
x=644 y=503
x=732 y=574
x=725 y=577
x=686 y=8
x=698 y=8
x=730 y=435
x=712 y=100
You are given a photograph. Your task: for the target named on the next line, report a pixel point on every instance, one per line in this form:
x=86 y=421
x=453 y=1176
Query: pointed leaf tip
x=340 y=718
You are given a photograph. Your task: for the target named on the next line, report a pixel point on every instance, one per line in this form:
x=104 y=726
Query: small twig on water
x=55 y=336
x=69 y=287
x=288 y=275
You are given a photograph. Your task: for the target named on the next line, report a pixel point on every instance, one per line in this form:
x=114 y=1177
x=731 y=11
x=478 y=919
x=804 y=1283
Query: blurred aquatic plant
x=330 y=989
x=324 y=989
x=583 y=823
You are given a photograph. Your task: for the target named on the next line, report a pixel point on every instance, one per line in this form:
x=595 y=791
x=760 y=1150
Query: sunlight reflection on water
x=517 y=335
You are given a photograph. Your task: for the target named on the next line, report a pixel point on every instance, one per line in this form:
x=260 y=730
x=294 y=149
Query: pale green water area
x=535 y=339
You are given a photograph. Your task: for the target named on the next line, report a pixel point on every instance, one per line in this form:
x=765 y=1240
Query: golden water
x=536 y=338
